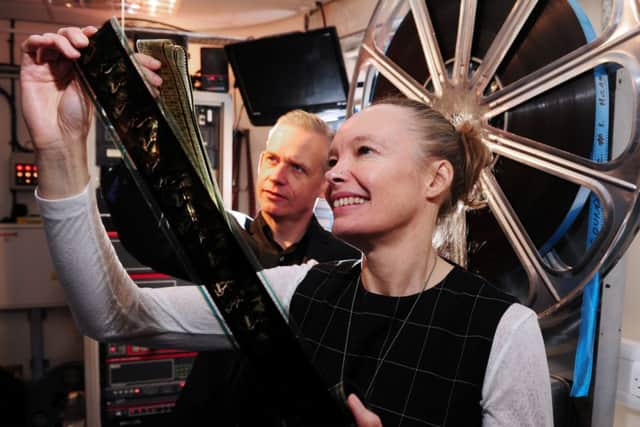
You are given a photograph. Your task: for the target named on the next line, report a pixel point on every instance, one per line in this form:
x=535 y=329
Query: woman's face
x=377 y=181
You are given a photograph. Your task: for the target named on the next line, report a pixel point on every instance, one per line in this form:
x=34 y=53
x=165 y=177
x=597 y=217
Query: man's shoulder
x=242 y=219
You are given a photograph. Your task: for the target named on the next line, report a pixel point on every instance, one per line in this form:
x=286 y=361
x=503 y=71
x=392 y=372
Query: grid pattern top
x=434 y=367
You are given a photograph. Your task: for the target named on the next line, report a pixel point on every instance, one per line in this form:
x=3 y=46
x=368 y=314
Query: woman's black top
x=433 y=372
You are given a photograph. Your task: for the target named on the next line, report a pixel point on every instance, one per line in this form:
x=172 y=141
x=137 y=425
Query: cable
x=324 y=18
x=235 y=125
x=162 y=24
x=238 y=116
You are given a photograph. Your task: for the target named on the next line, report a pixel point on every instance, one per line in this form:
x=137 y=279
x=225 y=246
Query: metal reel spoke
x=429 y=44
x=396 y=75
x=619 y=47
x=501 y=44
x=517 y=236
x=556 y=162
x=464 y=41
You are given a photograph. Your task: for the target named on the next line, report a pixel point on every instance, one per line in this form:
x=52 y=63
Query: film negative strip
x=170 y=171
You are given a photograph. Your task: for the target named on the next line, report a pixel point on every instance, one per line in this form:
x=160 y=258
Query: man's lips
x=273 y=194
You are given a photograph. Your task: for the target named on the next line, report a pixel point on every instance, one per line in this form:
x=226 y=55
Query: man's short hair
x=301 y=119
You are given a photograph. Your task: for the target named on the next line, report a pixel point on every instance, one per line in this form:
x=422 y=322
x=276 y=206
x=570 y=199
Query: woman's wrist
x=63 y=170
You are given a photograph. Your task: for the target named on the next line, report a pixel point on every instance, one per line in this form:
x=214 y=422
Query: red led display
x=26 y=174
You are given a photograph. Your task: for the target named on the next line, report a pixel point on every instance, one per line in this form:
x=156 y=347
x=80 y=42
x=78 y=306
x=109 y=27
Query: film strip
x=167 y=165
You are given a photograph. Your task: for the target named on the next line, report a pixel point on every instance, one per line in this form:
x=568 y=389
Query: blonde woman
x=423 y=341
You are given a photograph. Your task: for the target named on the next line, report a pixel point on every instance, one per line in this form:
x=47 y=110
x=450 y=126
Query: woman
x=423 y=341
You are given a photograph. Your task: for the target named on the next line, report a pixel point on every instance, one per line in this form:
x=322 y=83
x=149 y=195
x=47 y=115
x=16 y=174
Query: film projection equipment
x=525 y=72
x=214 y=69
x=285 y=72
x=537 y=83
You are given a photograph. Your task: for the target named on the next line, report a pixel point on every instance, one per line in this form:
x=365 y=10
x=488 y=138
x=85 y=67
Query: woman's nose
x=334 y=174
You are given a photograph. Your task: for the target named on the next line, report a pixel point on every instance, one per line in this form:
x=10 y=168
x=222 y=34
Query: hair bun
x=476 y=157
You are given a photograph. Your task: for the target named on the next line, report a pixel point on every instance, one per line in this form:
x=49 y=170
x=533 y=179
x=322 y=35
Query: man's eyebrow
x=297 y=162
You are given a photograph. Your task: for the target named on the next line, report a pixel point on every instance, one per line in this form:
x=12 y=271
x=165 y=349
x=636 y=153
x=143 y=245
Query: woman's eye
x=364 y=150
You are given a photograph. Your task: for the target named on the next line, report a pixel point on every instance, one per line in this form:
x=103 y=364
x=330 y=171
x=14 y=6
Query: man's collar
x=314 y=232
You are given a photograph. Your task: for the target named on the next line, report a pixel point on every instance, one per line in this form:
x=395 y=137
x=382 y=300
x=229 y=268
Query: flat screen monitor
x=295 y=70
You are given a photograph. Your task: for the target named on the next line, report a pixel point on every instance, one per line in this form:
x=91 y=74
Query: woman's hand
x=56 y=110
x=363 y=416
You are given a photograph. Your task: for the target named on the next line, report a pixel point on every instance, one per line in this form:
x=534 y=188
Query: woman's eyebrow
x=365 y=138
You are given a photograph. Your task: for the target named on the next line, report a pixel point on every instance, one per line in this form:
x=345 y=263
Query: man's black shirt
x=316 y=244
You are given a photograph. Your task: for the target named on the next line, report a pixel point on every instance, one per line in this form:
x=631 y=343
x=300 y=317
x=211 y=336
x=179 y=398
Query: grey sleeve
x=108 y=306
x=517 y=389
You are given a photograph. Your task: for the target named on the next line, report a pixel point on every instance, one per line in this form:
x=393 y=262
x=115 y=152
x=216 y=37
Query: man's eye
x=297 y=168
x=332 y=162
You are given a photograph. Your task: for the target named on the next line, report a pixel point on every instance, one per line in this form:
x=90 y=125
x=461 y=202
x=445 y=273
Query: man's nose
x=279 y=174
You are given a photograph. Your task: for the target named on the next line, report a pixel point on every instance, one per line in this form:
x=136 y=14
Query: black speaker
x=214 y=68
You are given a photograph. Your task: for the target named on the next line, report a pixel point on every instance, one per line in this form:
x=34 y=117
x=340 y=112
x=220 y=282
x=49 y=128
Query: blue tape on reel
x=582 y=371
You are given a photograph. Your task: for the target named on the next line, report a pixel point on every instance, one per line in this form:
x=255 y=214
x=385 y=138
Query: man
x=291 y=170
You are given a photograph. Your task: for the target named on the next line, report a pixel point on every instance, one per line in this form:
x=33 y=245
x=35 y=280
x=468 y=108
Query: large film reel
x=524 y=70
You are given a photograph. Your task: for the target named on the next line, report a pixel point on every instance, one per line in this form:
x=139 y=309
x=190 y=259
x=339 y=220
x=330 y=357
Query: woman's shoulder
x=461 y=280
x=342 y=266
x=325 y=277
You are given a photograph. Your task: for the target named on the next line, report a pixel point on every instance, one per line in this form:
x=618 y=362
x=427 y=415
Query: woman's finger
x=362 y=416
x=151 y=77
x=89 y=30
x=148 y=61
x=35 y=45
x=76 y=37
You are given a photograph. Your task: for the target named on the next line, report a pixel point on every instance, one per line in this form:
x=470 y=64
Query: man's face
x=291 y=172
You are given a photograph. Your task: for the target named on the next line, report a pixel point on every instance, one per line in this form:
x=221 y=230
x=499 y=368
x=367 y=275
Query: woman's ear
x=439 y=179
